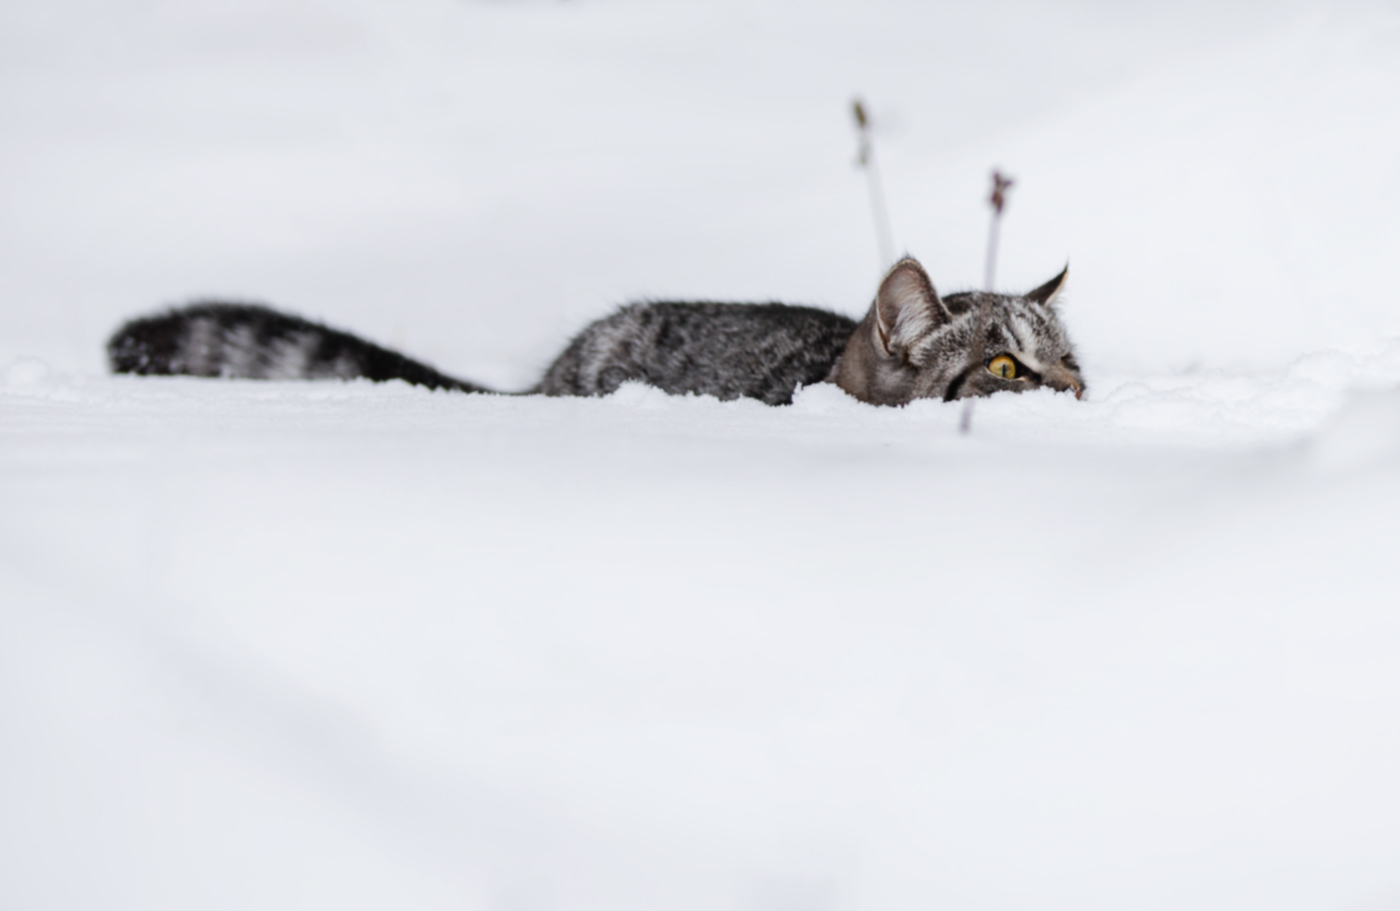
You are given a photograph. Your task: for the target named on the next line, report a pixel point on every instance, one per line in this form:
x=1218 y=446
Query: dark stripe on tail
x=253 y=342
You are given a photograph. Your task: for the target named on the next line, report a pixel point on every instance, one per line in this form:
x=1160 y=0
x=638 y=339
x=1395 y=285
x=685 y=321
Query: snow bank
x=287 y=644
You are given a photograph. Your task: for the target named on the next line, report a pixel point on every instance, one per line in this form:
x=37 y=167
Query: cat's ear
x=1047 y=292
x=906 y=308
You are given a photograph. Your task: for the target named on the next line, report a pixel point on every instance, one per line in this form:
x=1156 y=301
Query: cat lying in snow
x=912 y=344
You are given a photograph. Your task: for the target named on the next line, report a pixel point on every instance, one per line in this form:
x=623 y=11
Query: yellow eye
x=1003 y=367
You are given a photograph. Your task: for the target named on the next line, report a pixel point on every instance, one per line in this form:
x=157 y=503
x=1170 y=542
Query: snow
x=349 y=645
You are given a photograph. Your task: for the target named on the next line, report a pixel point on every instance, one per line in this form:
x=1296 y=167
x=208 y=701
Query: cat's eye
x=1003 y=366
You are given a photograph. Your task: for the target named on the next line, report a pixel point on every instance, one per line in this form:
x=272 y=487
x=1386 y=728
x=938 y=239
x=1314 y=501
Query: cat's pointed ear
x=1047 y=292
x=906 y=307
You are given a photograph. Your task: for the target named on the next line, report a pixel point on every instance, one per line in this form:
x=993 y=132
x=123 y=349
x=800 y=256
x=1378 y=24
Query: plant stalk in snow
x=1000 y=184
x=883 y=236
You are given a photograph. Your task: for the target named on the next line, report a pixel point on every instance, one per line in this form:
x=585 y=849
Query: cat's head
x=915 y=345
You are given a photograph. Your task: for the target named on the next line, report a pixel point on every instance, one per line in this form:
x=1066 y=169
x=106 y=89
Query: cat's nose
x=1061 y=380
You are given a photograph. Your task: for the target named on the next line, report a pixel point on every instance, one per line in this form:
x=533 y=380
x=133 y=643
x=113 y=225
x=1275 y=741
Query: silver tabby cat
x=912 y=344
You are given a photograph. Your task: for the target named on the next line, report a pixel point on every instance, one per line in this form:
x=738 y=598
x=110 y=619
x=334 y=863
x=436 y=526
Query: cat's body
x=911 y=344
x=730 y=351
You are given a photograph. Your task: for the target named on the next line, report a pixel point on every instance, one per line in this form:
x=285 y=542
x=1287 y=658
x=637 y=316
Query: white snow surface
x=347 y=645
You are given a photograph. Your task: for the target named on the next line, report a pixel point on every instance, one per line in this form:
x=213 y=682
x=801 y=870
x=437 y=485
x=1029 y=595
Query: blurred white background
x=346 y=646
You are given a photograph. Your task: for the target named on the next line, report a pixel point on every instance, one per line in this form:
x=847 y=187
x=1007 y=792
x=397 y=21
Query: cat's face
x=913 y=344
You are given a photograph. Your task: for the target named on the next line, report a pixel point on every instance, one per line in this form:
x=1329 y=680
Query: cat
x=912 y=344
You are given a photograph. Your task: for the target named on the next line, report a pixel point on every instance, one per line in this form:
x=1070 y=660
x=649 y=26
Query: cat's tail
x=253 y=342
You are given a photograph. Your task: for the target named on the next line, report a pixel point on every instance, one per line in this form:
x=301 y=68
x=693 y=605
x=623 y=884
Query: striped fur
x=911 y=344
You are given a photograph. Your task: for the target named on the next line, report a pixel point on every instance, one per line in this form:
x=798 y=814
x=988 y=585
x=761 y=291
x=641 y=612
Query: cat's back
x=730 y=351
